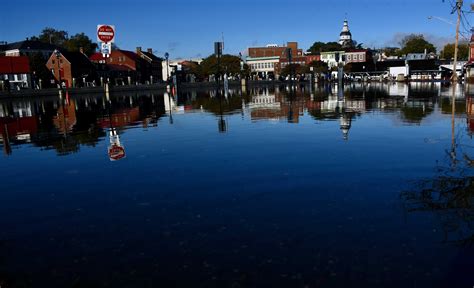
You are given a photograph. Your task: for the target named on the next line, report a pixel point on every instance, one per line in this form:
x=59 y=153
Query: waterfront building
x=263 y=67
x=155 y=64
x=169 y=66
x=334 y=58
x=15 y=71
x=470 y=63
x=28 y=48
x=122 y=66
x=263 y=61
x=358 y=56
x=72 y=69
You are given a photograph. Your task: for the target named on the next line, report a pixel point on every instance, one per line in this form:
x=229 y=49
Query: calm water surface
x=319 y=187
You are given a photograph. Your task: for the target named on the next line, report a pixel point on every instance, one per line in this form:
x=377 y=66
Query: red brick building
x=122 y=64
x=275 y=51
x=300 y=60
x=15 y=71
x=71 y=68
x=154 y=69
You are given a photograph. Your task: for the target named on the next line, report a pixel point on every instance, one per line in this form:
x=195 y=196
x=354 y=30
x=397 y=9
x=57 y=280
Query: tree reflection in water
x=449 y=195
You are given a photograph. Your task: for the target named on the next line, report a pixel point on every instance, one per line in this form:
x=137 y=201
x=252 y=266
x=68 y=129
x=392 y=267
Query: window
x=349 y=57
x=52 y=62
x=361 y=57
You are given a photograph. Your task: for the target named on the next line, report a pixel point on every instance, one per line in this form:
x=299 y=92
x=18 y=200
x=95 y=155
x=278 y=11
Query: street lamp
x=167 y=56
x=58 y=57
x=441 y=19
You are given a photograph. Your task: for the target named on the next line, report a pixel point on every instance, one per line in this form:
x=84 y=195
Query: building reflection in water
x=66 y=124
x=18 y=122
x=65 y=118
x=470 y=114
x=276 y=104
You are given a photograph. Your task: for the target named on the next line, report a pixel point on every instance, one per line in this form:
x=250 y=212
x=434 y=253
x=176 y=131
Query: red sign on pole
x=105 y=33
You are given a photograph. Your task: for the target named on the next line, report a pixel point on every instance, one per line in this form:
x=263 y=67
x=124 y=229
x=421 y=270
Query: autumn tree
x=448 y=51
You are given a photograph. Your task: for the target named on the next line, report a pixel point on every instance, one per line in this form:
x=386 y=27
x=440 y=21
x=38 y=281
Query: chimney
x=81 y=49
x=149 y=50
x=139 y=50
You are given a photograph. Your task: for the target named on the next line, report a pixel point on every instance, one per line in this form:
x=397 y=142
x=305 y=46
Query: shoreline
x=30 y=93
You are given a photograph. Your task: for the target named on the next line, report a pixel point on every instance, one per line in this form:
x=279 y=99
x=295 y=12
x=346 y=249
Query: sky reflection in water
x=263 y=187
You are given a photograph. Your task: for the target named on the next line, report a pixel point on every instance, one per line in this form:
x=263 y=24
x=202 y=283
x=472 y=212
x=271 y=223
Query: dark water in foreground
x=260 y=189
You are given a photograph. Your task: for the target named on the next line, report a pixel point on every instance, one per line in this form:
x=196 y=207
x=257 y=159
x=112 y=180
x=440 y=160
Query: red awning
x=14 y=65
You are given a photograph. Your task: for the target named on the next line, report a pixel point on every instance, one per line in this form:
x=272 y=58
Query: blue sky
x=188 y=28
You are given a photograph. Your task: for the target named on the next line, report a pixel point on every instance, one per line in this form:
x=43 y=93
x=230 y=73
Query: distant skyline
x=188 y=28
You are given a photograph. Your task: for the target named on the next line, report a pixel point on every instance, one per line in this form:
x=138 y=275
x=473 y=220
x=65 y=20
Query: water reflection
x=449 y=194
x=303 y=188
x=65 y=124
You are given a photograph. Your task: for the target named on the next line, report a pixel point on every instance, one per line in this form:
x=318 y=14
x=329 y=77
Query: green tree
x=230 y=64
x=414 y=43
x=52 y=36
x=448 y=51
x=319 y=66
x=319 y=47
x=61 y=39
x=391 y=51
x=293 y=69
x=79 y=40
x=39 y=70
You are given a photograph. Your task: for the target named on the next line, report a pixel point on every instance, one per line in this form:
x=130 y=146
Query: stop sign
x=105 y=33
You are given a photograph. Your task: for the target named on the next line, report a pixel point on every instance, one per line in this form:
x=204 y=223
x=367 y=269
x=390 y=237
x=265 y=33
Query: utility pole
x=455 y=80
x=456 y=45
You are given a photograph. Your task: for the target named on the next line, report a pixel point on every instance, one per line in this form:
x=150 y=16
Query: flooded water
x=266 y=187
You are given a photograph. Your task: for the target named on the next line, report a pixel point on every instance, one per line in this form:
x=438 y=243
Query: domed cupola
x=345 y=38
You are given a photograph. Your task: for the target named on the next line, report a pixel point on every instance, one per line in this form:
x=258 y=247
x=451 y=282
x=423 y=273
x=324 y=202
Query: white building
x=169 y=66
x=28 y=48
x=333 y=58
x=263 y=65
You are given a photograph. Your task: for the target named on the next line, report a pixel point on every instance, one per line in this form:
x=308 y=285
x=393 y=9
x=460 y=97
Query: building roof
x=30 y=45
x=14 y=65
x=356 y=50
x=129 y=54
x=77 y=58
x=98 y=56
x=152 y=56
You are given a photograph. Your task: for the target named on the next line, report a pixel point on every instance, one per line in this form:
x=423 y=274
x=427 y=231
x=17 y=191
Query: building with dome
x=345 y=38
